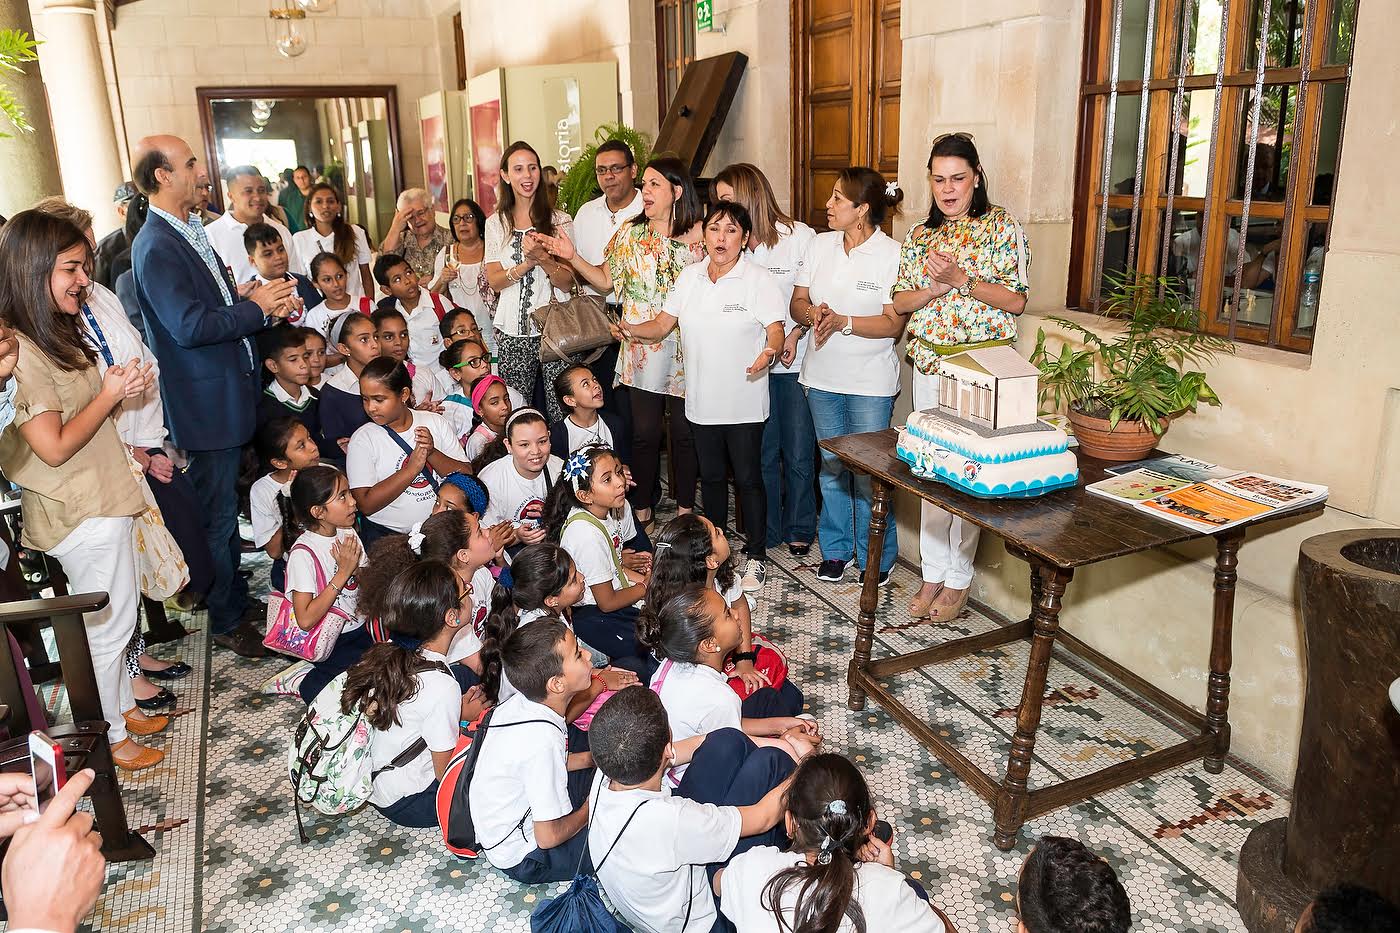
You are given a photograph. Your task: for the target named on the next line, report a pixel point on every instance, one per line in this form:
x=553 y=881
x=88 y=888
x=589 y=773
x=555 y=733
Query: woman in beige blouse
x=79 y=494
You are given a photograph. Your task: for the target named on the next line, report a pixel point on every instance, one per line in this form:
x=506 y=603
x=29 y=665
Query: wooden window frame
x=682 y=14
x=1233 y=83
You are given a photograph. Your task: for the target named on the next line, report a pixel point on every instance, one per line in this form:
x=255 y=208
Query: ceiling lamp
x=291 y=41
x=316 y=6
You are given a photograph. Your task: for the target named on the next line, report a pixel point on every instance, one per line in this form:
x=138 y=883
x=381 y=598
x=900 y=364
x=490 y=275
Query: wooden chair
x=84 y=741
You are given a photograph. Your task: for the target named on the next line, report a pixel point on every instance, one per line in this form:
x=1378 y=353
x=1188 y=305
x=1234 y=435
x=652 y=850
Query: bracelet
x=510 y=274
x=745 y=656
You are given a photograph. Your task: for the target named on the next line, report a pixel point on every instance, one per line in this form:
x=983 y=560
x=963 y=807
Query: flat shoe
x=798 y=549
x=159 y=701
x=949 y=612
x=919 y=608
x=148 y=725
x=146 y=758
x=175 y=671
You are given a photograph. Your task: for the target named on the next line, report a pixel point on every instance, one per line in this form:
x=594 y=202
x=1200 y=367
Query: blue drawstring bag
x=580 y=908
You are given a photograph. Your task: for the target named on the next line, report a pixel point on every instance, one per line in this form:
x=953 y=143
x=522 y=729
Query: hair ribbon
x=415 y=538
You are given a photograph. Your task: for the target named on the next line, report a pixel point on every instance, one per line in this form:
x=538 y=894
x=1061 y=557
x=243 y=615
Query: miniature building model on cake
x=984 y=437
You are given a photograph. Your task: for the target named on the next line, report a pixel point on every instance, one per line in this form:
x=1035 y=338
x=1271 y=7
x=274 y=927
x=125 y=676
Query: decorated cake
x=984 y=437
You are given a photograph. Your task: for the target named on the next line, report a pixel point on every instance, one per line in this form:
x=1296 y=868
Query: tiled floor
x=229 y=858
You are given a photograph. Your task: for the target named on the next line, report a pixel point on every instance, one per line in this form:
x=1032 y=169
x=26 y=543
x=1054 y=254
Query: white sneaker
x=754 y=575
x=287 y=682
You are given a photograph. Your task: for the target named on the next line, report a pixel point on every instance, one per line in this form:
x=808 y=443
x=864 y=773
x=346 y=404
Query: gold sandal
x=951 y=611
x=919 y=608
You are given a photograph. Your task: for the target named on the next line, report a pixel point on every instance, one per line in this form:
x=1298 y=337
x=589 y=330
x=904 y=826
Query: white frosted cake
x=1021 y=461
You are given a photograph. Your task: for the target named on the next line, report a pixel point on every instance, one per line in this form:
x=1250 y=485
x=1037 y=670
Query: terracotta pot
x=1130 y=440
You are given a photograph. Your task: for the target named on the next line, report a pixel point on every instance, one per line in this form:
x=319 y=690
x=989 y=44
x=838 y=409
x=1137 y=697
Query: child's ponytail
x=539 y=572
x=500 y=625
x=676 y=628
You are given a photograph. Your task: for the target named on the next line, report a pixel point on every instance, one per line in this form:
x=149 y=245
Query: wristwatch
x=850 y=326
x=965 y=289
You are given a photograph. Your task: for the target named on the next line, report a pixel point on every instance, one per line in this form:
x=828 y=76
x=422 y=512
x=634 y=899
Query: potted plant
x=1122 y=391
x=578 y=186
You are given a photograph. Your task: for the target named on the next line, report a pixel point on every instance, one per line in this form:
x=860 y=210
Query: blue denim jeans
x=789 y=442
x=214 y=476
x=845 y=519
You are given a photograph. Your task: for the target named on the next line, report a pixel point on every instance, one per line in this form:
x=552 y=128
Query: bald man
x=199 y=323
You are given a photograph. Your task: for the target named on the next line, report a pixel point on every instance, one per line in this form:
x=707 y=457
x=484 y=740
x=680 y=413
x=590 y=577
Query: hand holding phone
x=45 y=770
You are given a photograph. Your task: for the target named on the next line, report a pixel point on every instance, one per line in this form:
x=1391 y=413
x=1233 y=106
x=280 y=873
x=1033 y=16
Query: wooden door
x=846 y=80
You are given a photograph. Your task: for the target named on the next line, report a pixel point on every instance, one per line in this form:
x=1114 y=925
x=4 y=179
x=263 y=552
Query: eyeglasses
x=462 y=218
x=472 y=361
x=958 y=135
x=603 y=171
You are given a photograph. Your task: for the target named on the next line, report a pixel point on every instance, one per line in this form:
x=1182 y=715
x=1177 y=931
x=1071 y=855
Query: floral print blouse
x=991 y=248
x=644 y=266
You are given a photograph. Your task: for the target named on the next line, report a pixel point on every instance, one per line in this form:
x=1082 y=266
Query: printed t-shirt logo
x=419 y=480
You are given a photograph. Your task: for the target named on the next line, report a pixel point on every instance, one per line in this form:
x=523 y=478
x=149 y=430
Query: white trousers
x=100 y=556
x=947 y=544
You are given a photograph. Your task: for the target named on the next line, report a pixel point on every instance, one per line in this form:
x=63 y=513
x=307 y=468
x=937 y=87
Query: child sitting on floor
x=692 y=549
x=409 y=695
x=586 y=423
x=692 y=634
x=649 y=848
x=284 y=446
x=583 y=514
x=1065 y=888
x=527 y=796
x=519 y=483
x=491 y=403
x=475 y=362
x=836 y=871
x=342 y=409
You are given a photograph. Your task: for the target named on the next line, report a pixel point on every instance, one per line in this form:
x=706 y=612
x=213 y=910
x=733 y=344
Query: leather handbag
x=579 y=324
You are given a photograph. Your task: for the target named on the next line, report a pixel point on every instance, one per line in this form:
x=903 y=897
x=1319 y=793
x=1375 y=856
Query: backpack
x=453 y=804
x=329 y=758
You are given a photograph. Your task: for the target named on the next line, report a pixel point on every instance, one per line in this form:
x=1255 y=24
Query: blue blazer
x=208 y=372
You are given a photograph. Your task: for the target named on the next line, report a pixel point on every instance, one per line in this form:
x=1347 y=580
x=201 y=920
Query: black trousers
x=719 y=448
x=648 y=414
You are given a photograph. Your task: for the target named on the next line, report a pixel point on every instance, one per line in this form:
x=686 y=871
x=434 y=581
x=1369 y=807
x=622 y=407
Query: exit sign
x=704 y=15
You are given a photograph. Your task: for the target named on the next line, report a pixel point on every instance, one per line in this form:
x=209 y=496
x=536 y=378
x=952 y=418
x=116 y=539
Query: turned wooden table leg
x=1048 y=584
x=869 y=592
x=1227 y=548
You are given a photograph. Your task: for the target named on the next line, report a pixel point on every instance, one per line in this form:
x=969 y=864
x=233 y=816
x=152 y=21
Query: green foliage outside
x=580 y=185
x=16 y=48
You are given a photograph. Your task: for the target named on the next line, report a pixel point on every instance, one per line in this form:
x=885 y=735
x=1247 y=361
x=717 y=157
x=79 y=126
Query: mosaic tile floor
x=1172 y=838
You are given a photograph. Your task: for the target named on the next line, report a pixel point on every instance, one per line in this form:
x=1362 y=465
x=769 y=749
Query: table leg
x=1048 y=584
x=1227 y=547
x=869 y=591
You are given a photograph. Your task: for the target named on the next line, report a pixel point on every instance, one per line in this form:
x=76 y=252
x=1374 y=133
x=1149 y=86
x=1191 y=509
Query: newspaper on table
x=1202 y=496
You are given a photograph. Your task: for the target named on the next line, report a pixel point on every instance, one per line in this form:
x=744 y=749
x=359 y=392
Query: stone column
x=29 y=160
x=81 y=111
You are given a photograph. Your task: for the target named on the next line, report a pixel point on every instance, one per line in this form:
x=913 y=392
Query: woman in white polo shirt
x=729 y=310
x=851 y=372
x=778 y=243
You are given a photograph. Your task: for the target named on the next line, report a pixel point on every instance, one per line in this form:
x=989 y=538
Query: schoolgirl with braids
x=835 y=876
x=409 y=694
x=584 y=514
x=284 y=446
x=321 y=568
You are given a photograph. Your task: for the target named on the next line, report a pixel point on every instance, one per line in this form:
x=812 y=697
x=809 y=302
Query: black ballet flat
x=175 y=671
x=159 y=701
x=797 y=549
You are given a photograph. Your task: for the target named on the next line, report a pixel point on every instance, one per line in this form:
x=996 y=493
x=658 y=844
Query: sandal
x=144 y=758
x=947 y=612
x=919 y=608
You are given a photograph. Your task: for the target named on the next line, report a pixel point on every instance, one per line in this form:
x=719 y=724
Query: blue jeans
x=789 y=442
x=845 y=520
x=214 y=476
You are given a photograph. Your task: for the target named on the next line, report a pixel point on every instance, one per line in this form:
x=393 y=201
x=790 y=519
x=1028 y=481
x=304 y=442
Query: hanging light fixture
x=290 y=41
x=316 y=6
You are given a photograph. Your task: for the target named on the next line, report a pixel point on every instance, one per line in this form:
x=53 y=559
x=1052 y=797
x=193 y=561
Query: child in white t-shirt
x=426 y=707
x=491 y=405
x=321 y=569
x=396 y=461
x=527 y=796
x=835 y=862
x=284 y=445
x=651 y=850
x=520 y=482
x=692 y=634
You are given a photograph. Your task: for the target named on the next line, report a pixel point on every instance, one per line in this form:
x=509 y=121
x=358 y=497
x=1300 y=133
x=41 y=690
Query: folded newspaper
x=1202 y=496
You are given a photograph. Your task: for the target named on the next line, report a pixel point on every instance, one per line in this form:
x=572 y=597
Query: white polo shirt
x=783 y=260
x=889 y=904
x=657 y=864
x=433 y=714
x=424 y=338
x=309 y=244
x=856 y=284
x=226 y=236
x=263 y=508
x=521 y=777
x=373 y=456
x=722 y=328
x=594 y=226
x=698 y=701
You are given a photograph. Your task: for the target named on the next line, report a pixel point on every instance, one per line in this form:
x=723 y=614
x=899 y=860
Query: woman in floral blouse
x=641 y=263
x=963 y=274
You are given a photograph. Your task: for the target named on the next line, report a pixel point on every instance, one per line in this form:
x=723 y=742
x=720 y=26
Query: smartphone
x=882 y=831
x=46 y=768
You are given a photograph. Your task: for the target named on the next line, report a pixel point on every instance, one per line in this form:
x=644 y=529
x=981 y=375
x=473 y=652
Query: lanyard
x=97 y=332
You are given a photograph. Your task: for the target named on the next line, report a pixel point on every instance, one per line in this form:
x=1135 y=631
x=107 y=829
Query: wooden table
x=1054 y=534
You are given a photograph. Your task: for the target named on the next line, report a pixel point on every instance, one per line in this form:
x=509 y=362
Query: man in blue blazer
x=199 y=322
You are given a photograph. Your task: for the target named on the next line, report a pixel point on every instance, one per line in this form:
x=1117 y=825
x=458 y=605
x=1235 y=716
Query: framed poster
x=486 y=151
x=432 y=127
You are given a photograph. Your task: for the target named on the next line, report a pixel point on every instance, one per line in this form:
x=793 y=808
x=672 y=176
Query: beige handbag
x=577 y=325
x=159 y=560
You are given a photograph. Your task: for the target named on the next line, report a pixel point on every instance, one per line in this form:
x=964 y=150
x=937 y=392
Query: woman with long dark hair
x=327 y=231
x=964 y=274
x=79 y=495
x=642 y=263
x=460 y=268
x=522 y=272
